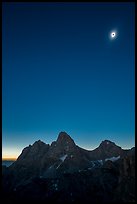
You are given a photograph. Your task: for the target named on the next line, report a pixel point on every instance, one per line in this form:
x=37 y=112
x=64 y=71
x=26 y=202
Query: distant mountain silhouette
x=71 y=172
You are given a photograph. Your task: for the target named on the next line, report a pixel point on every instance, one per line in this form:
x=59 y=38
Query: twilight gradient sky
x=61 y=72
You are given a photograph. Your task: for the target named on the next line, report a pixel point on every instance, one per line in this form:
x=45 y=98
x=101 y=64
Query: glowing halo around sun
x=113 y=35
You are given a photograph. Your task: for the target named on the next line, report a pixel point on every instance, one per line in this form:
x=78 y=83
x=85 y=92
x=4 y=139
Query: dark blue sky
x=62 y=72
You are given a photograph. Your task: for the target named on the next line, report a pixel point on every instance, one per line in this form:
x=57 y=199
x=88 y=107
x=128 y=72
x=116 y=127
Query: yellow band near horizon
x=7 y=159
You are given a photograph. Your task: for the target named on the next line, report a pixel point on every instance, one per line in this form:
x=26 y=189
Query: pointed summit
x=64 y=138
x=38 y=143
x=109 y=149
x=106 y=149
x=106 y=143
x=37 y=150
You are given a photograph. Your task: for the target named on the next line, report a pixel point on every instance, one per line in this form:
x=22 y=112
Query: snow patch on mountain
x=100 y=161
x=63 y=157
x=97 y=163
x=113 y=159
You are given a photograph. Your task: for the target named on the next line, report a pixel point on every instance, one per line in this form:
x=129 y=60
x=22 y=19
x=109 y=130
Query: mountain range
x=66 y=173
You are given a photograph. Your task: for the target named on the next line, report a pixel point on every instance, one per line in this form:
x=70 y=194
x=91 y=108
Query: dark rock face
x=65 y=140
x=106 y=149
x=125 y=190
x=65 y=173
x=28 y=163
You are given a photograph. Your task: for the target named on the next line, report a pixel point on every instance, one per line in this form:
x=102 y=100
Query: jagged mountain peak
x=39 y=143
x=63 y=155
x=64 y=138
x=107 y=143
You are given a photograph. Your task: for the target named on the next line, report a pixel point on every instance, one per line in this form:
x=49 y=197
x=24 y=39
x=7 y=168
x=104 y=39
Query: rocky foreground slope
x=65 y=173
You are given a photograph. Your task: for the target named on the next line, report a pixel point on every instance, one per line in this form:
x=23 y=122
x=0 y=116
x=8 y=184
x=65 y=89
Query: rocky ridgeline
x=65 y=172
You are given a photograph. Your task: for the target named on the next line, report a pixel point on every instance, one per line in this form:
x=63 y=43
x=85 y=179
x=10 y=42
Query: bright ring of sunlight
x=113 y=34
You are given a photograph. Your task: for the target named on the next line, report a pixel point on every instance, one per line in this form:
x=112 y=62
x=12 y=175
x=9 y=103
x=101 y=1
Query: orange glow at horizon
x=10 y=153
x=9 y=158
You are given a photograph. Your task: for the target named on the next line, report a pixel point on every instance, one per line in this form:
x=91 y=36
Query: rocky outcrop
x=125 y=191
x=28 y=163
x=106 y=149
x=65 y=172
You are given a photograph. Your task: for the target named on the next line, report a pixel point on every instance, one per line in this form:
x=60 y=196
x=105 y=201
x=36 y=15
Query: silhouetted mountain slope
x=65 y=172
